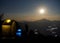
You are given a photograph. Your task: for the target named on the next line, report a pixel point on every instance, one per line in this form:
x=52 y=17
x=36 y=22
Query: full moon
x=42 y=11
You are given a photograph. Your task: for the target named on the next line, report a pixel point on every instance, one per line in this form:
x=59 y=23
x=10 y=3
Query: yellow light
x=8 y=20
x=5 y=28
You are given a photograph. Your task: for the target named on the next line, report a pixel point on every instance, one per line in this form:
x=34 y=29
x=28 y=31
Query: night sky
x=28 y=9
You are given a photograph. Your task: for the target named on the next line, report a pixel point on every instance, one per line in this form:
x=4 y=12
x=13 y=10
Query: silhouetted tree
x=1 y=16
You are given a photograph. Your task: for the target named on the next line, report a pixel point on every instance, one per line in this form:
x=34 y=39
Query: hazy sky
x=29 y=9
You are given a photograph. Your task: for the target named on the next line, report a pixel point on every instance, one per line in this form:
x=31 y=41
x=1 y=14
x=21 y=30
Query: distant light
x=19 y=30
x=54 y=28
x=8 y=20
x=36 y=33
x=18 y=34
